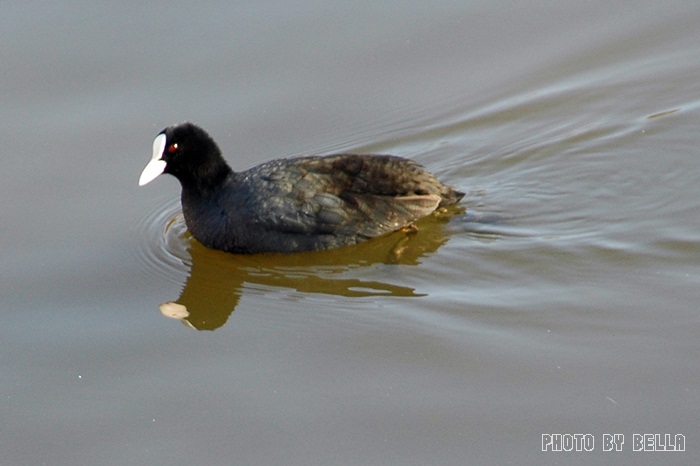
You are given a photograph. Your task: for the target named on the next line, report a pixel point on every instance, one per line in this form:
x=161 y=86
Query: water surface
x=561 y=300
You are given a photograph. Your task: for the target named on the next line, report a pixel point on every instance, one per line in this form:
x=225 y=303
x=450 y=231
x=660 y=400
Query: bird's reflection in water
x=217 y=279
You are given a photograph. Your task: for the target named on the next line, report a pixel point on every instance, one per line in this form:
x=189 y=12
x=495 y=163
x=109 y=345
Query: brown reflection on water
x=217 y=279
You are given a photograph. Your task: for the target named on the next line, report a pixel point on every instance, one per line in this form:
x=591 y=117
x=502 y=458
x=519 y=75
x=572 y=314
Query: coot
x=296 y=204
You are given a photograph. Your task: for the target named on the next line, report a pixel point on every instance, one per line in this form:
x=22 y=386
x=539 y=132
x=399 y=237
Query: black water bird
x=296 y=204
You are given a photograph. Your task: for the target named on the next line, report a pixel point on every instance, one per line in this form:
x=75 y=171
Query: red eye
x=172 y=148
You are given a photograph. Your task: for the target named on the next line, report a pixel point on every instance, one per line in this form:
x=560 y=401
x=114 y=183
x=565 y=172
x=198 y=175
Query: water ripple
x=165 y=241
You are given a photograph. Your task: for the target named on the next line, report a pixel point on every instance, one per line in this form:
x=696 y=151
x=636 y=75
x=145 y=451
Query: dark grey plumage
x=297 y=204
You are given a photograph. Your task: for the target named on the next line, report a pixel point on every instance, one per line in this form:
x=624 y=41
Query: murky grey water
x=563 y=301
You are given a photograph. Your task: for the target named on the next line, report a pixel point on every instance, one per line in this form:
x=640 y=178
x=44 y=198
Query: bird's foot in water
x=409 y=229
x=397 y=251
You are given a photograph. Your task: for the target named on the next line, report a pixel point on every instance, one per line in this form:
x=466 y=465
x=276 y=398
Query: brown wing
x=354 y=195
